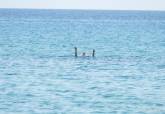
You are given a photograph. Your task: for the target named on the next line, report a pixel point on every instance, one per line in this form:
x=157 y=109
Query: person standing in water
x=75 y=54
x=93 y=53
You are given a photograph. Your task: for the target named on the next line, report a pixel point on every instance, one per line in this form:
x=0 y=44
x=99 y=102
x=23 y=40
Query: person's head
x=83 y=54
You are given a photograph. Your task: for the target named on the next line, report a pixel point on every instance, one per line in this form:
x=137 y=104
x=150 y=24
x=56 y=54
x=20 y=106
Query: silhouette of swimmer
x=83 y=54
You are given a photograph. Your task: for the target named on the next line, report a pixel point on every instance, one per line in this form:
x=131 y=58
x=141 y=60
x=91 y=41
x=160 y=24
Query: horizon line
x=84 y=9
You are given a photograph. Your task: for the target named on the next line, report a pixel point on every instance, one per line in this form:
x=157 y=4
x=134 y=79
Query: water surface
x=39 y=74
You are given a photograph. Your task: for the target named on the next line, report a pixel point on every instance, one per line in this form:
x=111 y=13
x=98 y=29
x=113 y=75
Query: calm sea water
x=39 y=74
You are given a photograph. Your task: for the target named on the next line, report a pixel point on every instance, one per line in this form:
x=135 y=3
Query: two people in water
x=84 y=54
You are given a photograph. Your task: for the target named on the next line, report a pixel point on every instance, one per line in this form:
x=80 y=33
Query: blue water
x=40 y=75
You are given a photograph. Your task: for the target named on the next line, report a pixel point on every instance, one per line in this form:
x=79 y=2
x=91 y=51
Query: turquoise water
x=40 y=75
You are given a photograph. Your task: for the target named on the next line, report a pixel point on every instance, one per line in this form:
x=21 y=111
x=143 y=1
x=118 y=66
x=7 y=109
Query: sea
x=39 y=73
